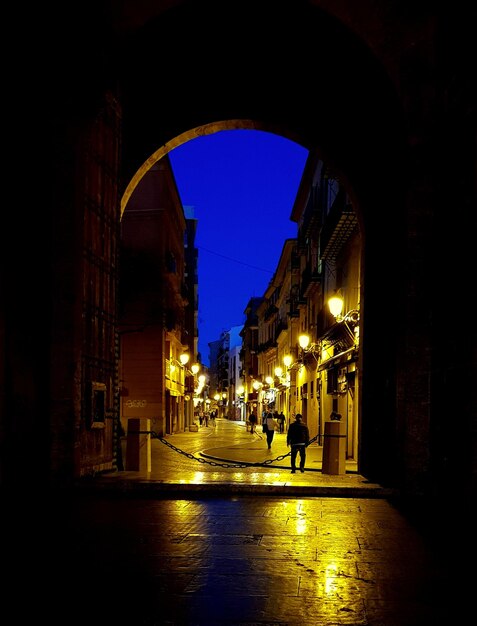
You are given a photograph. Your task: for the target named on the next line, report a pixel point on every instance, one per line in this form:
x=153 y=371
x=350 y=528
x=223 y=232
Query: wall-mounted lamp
x=195 y=367
x=184 y=358
x=336 y=304
x=269 y=380
x=287 y=360
x=283 y=380
x=256 y=385
x=307 y=347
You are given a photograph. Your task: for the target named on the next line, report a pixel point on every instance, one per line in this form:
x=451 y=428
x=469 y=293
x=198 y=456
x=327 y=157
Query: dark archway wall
x=384 y=92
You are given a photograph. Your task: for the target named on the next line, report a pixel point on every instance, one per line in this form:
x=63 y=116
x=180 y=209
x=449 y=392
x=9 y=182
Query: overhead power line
x=254 y=267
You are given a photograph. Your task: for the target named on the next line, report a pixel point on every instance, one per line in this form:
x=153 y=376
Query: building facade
x=154 y=301
x=308 y=357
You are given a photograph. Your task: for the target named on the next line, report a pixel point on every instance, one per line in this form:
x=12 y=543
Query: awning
x=340 y=336
x=343 y=358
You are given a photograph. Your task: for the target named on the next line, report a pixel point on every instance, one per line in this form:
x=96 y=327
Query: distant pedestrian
x=253 y=421
x=281 y=422
x=271 y=426
x=298 y=438
x=264 y=420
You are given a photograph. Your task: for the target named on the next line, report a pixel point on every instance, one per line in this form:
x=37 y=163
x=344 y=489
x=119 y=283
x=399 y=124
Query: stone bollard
x=334 y=448
x=138 y=445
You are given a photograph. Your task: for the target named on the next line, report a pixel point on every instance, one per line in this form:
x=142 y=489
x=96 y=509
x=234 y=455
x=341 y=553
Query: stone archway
x=383 y=93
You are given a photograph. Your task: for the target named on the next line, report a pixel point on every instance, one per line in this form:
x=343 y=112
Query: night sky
x=242 y=185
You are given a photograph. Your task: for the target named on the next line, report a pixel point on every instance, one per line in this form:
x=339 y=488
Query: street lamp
x=184 y=358
x=304 y=341
x=307 y=347
x=336 y=304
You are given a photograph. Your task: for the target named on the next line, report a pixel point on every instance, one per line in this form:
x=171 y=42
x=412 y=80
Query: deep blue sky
x=242 y=185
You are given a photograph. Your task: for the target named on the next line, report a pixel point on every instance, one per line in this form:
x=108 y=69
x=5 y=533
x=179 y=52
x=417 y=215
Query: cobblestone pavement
x=115 y=557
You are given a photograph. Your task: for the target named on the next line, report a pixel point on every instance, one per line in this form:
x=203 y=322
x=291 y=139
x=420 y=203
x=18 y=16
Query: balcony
x=309 y=280
x=272 y=309
x=263 y=347
x=340 y=225
x=312 y=214
x=281 y=327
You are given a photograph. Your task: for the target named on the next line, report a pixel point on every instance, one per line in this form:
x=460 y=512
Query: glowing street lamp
x=335 y=305
x=195 y=368
x=287 y=360
x=184 y=358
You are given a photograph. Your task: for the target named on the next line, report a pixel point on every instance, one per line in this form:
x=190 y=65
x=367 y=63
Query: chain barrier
x=154 y=435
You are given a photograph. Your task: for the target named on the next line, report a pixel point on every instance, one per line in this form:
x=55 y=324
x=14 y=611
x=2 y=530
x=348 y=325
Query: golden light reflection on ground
x=197 y=477
x=331 y=572
x=300 y=520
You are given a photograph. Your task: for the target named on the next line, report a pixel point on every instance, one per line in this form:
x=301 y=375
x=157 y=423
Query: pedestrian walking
x=298 y=437
x=264 y=421
x=253 y=421
x=271 y=425
x=281 y=422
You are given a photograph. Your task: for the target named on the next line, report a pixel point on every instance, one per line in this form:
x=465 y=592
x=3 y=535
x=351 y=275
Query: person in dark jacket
x=298 y=437
x=253 y=421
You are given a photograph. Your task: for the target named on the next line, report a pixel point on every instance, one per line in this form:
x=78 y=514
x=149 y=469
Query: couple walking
x=269 y=425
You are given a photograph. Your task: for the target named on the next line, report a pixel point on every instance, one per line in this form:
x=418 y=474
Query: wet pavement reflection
x=142 y=558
